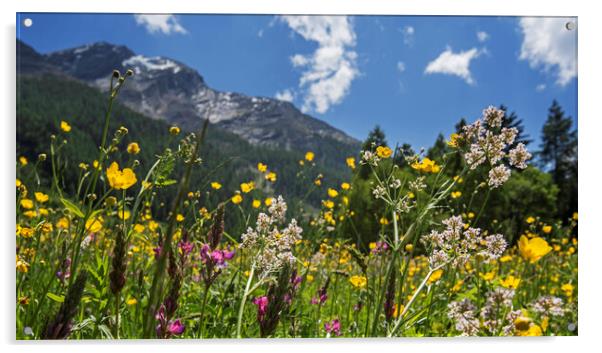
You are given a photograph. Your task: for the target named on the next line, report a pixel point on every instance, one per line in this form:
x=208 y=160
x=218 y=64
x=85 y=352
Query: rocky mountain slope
x=166 y=89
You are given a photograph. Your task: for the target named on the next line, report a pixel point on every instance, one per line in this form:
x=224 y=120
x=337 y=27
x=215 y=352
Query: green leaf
x=165 y=182
x=71 y=207
x=105 y=331
x=56 y=298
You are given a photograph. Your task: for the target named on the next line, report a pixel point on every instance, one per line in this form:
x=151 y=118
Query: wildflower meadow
x=131 y=250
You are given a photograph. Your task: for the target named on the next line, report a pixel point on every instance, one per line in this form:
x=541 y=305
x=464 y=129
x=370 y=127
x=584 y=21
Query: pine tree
x=376 y=137
x=513 y=121
x=438 y=149
x=558 y=155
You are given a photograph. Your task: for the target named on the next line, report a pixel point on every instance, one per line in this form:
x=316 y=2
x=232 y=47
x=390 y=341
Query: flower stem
x=241 y=309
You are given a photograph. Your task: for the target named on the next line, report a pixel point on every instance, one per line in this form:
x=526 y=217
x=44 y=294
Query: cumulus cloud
x=408 y=35
x=482 y=36
x=457 y=64
x=285 y=95
x=401 y=67
x=166 y=24
x=329 y=71
x=548 y=45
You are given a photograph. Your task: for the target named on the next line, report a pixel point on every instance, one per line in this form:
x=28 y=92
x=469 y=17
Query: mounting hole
x=570 y=25
x=27 y=22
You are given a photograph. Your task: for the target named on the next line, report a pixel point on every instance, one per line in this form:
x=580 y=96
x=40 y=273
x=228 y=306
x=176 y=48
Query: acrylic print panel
x=239 y=176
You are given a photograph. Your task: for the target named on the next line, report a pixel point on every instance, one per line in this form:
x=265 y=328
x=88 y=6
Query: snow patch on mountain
x=151 y=64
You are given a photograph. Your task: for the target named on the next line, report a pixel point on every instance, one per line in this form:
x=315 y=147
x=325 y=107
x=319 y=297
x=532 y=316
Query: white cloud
x=401 y=67
x=457 y=64
x=550 y=46
x=166 y=24
x=285 y=95
x=540 y=87
x=408 y=35
x=331 y=68
x=482 y=36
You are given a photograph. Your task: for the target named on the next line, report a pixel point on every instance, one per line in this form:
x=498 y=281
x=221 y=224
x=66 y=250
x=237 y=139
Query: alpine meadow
x=150 y=204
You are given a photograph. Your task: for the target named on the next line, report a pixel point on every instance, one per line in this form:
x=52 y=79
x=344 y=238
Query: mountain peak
x=163 y=88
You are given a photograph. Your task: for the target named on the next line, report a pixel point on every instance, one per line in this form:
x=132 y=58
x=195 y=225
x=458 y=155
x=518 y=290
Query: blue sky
x=415 y=76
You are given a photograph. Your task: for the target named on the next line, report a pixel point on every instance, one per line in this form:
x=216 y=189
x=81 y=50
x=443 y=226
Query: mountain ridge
x=166 y=89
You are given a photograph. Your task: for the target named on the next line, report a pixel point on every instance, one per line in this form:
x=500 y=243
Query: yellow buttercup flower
x=488 y=276
x=138 y=228
x=94 y=225
x=174 y=130
x=179 y=218
x=453 y=140
x=358 y=281
x=41 y=197
x=247 y=187
x=46 y=227
x=236 y=199
x=22 y=265
x=332 y=193
x=62 y=223
x=26 y=232
x=457 y=286
x=345 y=186
x=131 y=301
x=123 y=214
x=350 y=162
x=215 y=185
x=426 y=166
x=120 y=179
x=510 y=282
x=152 y=225
x=546 y=229
x=567 y=288
x=268 y=201
x=328 y=203
x=256 y=203
x=65 y=126
x=533 y=249
x=309 y=156
x=262 y=167
x=435 y=276
x=383 y=151
x=530 y=220
x=133 y=148
x=23 y=161
x=26 y=204
x=575 y=216
x=30 y=214
x=271 y=176
x=456 y=194
x=384 y=221
x=533 y=330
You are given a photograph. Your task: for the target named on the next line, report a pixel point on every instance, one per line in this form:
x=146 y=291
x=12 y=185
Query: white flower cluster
x=456 y=244
x=273 y=246
x=498 y=300
x=548 y=305
x=370 y=158
x=496 y=312
x=489 y=142
x=463 y=313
